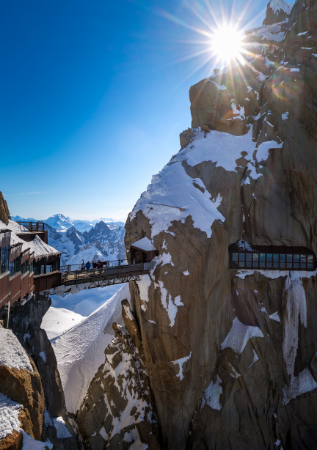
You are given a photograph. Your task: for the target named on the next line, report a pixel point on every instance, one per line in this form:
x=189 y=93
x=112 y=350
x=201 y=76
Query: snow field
x=80 y=351
x=59 y=320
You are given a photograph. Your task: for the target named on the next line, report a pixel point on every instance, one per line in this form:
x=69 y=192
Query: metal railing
x=33 y=226
x=94 y=265
x=118 y=271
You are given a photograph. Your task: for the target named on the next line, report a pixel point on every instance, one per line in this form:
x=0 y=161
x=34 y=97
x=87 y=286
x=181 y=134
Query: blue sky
x=94 y=96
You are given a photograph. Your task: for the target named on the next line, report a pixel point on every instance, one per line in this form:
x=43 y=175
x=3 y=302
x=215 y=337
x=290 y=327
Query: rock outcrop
x=118 y=410
x=25 y=322
x=4 y=210
x=21 y=394
x=230 y=354
x=277 y=11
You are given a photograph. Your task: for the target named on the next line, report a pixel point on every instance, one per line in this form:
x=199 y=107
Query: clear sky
x=94 y=95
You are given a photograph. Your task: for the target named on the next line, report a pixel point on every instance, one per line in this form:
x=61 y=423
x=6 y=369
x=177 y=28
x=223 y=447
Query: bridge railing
x=33 y=226
x=112 y=271
x=94 y=265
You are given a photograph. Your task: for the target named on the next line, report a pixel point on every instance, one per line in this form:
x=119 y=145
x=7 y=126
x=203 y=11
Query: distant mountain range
x=62 y=223
x=86 y=240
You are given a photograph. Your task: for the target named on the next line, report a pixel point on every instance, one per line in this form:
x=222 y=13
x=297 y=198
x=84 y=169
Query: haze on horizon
x=94 y=97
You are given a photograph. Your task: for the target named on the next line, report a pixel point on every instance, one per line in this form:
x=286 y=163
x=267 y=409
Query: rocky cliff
x=230 y=354
x=4 y=210
x=277 y=11
x=196 y=355
x=32 y=405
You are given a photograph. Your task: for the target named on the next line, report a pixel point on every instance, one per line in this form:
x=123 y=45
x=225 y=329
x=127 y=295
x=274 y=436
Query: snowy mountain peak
x=281 y=5
x=277 y=11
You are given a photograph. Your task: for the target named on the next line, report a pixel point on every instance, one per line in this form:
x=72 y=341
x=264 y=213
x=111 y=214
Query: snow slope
x=80 y=351
x=173 y=187
x=59 y=320
x=83 y=301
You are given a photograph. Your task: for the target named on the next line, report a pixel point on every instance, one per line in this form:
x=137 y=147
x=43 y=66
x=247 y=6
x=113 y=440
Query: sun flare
x=227 y=43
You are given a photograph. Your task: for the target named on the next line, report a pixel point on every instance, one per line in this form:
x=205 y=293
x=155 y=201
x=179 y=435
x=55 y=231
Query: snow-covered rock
x=277 y=11
x=251 y=377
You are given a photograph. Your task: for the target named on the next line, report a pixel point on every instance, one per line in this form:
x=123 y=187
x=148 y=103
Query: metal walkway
x=106 y=276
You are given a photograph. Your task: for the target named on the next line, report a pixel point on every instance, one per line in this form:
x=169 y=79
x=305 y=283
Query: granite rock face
x=231 y=356
x=4 y=210
x=25 y=322
x=277 y=11
x=118 y=411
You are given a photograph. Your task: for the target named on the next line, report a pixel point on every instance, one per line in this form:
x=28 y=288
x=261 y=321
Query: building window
x=31 y=267
x=39 y=270
x=4 y=259
x=274 y=258
x=18 y=264
x=12 y=267
x=24 y=267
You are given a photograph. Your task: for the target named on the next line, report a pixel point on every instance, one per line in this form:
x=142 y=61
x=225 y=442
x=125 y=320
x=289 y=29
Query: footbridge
x=105 y=275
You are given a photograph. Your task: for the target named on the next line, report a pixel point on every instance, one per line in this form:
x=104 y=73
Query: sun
x=227 y=43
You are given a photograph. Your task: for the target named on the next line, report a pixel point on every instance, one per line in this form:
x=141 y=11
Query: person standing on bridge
x=83 y=265
x=88 y=265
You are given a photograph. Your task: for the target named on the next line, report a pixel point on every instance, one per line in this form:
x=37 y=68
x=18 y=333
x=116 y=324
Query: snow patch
x=61 y=429
x=263 y=149
x=144 y=244
x=239 y=336
x=9 y=416
x=275 y=317
x=180 y=362
x=255 y=359
x=12 y=353
x=299 y=385
x=186 y=273
x=144 y=285
x=285 y=116
x=295 y=312
x=221 y=87
x=31 y=444
x=211 y=396
x=43 y=356
x=167 y=303
x=233 y=373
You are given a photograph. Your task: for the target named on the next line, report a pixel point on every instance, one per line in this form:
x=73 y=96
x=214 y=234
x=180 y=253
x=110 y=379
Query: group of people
x=94 y=265
x=97 y=265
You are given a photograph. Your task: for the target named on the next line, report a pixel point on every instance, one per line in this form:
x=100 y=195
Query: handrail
x=112 y=271
x=105 y=264
x=33 y=226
